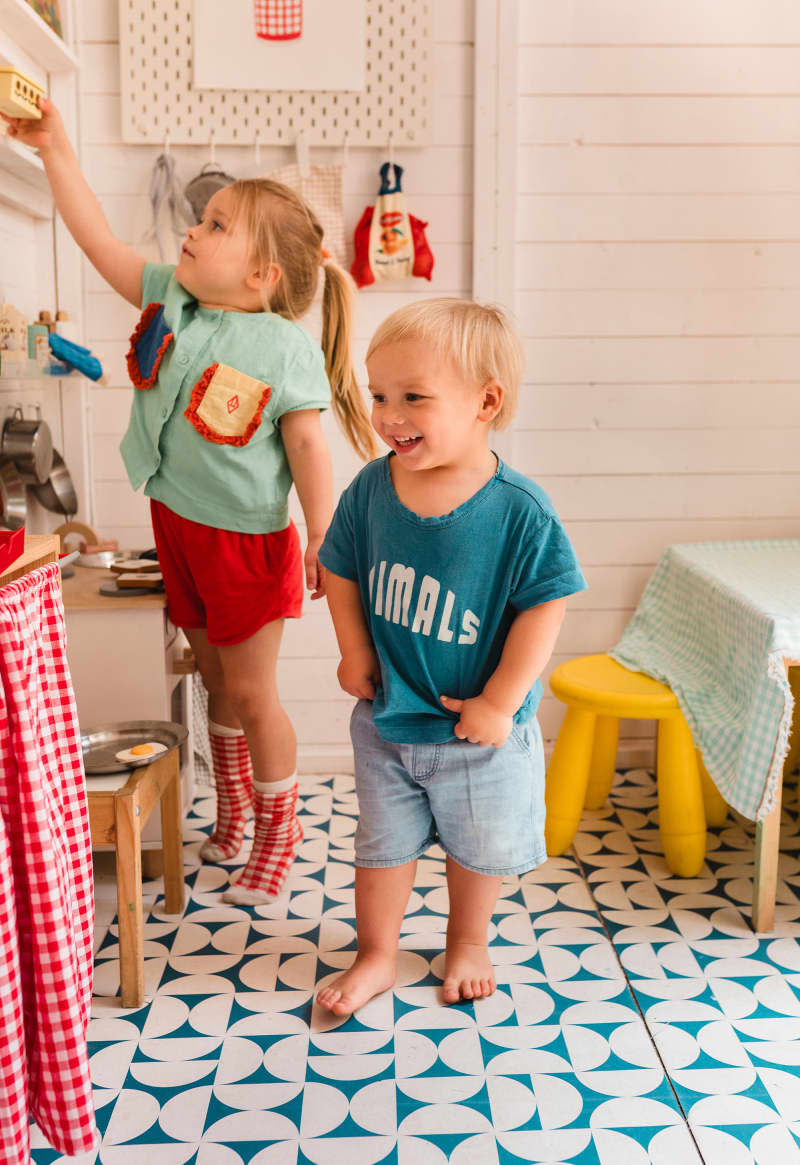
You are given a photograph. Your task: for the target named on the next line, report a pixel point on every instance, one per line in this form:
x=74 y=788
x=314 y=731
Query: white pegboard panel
x=158 y=98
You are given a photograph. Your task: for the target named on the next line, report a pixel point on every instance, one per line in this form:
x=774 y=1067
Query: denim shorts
x=484 y=806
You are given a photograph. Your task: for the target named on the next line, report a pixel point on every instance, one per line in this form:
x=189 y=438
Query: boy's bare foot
x=369 y=975
x=468 y=972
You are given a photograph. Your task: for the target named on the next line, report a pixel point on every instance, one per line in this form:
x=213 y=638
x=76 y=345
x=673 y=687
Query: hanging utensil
x=29 y=444
x=13 y=500
x=57 y=494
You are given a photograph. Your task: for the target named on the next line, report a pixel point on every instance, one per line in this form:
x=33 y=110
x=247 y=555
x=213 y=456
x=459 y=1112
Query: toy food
x=150 y=748
x=389 y=242
x=19 y=96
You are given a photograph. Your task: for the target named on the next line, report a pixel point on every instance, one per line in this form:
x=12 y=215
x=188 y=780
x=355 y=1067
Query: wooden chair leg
x=604 y=761
x=714 y=804
x=172 y=840
x=129 y=900
x=567 y=777
x=680 y=800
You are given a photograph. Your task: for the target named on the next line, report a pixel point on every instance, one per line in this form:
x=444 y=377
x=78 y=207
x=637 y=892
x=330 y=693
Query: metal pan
x=57 y=494
x=12 y=496
x=100 y=745
x=29 y=444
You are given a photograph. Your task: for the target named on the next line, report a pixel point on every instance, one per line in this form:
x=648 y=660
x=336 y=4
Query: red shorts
x=226 y=582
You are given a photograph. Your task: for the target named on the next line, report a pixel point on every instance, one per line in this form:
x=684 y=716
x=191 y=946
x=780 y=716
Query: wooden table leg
x=765 y=882
x=172 y=839
x=129 y=899
x=768 y=845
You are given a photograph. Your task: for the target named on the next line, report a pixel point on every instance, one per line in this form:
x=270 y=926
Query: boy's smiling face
x=425 y=409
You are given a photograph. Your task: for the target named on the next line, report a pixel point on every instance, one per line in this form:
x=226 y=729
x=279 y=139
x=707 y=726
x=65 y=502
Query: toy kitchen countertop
x=128 y=662
x=82 y=593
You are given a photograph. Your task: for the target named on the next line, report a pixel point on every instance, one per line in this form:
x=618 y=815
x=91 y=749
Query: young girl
x=226 y=415
x=447 y=577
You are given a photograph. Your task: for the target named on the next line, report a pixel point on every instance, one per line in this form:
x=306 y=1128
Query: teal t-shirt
x=205 y=438
x=440 y=593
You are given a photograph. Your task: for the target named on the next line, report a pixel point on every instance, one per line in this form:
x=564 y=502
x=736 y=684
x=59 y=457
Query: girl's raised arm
x=116 y=261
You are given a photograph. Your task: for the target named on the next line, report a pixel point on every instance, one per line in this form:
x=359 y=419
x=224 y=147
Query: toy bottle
x=66 y=327
x=39 y=343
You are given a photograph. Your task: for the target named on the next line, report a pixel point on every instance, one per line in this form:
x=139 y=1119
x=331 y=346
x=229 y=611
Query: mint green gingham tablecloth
x=716 y=622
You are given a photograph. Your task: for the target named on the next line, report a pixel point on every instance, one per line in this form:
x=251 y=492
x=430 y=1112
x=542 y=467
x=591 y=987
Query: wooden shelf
x=31 y=33
x=24 y=184
x=22 y=161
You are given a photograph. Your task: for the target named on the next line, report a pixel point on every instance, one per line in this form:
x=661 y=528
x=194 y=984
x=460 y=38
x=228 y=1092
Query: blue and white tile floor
x=637 y=1018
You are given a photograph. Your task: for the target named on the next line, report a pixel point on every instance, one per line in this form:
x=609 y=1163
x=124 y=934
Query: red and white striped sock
x=276 y=837
x=233 y=777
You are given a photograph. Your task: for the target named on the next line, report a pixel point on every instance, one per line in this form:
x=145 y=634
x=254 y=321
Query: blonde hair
x=284 y=230
x=479 y=339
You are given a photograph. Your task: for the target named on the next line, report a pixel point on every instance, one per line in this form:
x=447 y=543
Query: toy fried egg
x=148 y=750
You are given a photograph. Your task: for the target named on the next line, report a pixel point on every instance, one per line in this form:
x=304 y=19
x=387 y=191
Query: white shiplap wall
x=657 y=283
x=26 y=268
x=438 y=182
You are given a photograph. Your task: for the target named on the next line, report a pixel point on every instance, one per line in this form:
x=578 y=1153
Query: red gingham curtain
x=46 y=892
x=278 y=19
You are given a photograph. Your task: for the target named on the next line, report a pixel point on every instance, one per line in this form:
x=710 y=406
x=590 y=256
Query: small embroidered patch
x=233 y=404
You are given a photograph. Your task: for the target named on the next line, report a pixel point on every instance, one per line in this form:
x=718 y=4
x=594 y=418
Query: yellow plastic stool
x=597 y=692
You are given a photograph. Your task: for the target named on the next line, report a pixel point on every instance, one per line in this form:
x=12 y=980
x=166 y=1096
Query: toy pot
x=13 y=501
x=29 y=444
x=58 y=492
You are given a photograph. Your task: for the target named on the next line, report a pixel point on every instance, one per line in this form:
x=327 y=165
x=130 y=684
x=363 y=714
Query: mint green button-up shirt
x=191 y=466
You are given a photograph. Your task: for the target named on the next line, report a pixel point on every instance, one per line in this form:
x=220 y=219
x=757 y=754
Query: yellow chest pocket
x=226 y=405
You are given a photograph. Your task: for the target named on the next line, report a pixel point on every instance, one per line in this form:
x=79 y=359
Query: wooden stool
x=119 y=806
x=597 y=692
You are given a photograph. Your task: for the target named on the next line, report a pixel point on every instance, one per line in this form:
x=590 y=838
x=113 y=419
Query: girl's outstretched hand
x=40 y=133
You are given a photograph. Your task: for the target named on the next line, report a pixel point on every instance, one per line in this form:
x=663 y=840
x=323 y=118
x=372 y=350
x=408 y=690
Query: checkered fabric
x=233 y=777
x=279 y=19
x=322 y=190
x=46 y=891
x=276 y=836
x=717 y=622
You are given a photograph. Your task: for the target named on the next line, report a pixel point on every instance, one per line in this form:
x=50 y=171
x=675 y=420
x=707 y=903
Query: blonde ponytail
x=337 y=327
x=283 y=229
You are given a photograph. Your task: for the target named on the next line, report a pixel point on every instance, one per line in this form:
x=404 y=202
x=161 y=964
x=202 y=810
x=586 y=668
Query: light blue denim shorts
x=484 y=806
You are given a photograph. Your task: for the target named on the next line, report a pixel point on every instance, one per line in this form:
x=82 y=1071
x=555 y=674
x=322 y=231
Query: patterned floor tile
x=230 y=1063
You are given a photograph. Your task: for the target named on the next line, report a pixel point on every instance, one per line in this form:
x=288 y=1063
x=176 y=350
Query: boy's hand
x=359 y=672
x=40 y=133
x=479 y=721
x=315 y=571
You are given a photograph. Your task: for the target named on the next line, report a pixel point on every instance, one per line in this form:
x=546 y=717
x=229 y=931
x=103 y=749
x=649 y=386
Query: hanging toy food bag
x=389 y=242
x=279 y=19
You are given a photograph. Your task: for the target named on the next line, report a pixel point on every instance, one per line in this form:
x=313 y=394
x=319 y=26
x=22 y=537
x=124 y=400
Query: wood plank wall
x=658 y=283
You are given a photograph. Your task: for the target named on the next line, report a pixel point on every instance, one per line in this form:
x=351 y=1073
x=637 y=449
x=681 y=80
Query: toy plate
x=100 y=745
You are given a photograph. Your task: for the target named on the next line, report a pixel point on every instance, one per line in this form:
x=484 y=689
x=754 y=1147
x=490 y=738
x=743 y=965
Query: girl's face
x=424 y=408
x=215 y=264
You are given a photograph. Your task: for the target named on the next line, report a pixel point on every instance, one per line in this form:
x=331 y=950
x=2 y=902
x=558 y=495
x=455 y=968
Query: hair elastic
x=326 y=257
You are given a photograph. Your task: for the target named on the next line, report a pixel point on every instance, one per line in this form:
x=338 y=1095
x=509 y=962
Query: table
x=720 y=623
x=118 y=810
